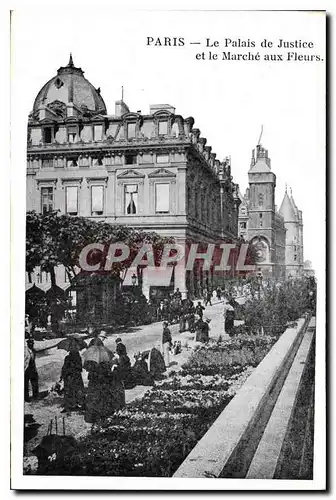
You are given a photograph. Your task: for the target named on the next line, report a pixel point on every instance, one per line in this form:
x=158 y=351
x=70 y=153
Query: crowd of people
x=109 y=376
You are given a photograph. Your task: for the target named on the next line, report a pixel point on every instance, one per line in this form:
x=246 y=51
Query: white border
x=17 y=268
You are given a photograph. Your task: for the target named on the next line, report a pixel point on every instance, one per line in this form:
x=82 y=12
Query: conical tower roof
x=287 y=209
x=294 y=204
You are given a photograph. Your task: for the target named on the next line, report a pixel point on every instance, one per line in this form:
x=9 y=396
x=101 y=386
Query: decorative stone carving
x=162 y=172
x=201 y=144
x=59 y=108
x=130 y=174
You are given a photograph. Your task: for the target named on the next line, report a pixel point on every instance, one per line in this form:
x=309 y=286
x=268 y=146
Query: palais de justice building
x=151 y=171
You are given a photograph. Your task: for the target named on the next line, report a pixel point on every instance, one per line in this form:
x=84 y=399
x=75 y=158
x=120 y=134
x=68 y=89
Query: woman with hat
x=73 y=382
x=124 y=365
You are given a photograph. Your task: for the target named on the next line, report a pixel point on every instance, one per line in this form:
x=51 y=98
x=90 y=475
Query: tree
x=53 y=239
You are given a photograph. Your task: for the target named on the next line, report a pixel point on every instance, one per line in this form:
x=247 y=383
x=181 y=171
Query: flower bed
x=229 y=357
x=152 y=436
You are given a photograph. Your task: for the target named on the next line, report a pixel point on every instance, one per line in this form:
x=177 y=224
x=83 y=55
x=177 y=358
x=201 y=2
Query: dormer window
x=131 y=131
x=163 y=127
x=98 y=132
x=47 y=135
x=72 y=134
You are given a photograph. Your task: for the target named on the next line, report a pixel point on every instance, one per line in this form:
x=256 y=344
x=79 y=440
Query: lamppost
x=259 y=281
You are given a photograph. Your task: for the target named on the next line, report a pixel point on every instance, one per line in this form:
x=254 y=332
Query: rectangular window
x=96 y=162
x=47 y=133
x=243 y=225
x=163 y=128
x=97 y=200
x=72 y=163
x=98 y=132
x=47 y=163
x=71 y=200
x=162 y=158
x=162 y=198
x=130 y=159
x=295 y=257
x=131 y=199
x=131 y=130
x=260 y=215
x=47 y=199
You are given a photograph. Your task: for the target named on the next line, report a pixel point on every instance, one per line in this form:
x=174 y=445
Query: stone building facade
x=151 y=171
x=277 y=235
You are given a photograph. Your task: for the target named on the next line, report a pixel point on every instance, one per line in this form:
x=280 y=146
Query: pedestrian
x=229 y=315
x=28 y=327
x=105 y=392
x=140 y=370
x=205 y=331
x=219 y=293
x=177 y=295
x=198 y=329
x=73 y=381
x=199 y=309
x=166 y=343
x=124 y=365
x=208 y=297
x=204 y=295
x=121 y=348
x=98 y=338
x=31 y=375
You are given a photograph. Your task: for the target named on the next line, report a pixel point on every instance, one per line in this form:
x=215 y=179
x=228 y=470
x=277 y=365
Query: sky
x=229 y=100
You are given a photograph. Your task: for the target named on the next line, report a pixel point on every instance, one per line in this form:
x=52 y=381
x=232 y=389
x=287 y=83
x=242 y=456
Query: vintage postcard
x=168 y=227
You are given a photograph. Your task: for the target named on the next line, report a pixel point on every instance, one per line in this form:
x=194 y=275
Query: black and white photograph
x=168 y=232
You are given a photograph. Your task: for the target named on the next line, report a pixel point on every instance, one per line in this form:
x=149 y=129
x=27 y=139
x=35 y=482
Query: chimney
x=121 y=108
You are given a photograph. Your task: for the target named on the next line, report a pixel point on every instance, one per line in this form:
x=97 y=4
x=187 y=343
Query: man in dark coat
x=199 y=309
x=208 y=297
